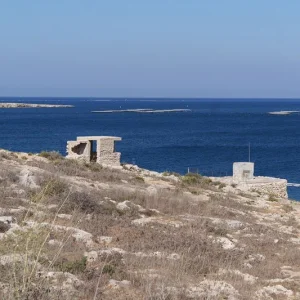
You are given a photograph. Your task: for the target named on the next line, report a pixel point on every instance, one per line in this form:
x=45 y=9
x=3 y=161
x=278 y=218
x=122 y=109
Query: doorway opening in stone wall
x=93 y=151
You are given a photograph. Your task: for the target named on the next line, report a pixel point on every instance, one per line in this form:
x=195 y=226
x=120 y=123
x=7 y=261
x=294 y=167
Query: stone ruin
x=243 y=177
x=99 y=149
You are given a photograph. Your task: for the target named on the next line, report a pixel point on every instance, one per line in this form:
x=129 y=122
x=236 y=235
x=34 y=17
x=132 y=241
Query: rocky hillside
x=79 y=231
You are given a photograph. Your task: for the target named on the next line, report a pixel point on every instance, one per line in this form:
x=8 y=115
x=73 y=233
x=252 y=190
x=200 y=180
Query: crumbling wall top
x=97 y=138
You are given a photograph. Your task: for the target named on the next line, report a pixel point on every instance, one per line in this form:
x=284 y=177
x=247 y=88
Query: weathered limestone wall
x=277 y=188
x=79 y=150
x=106 y=154
x=264 y=185
x=243 y=171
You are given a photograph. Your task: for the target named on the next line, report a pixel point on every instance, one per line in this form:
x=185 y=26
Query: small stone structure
x=105 y=153
x=244 y=180
x=243 y=176
x=243 y=171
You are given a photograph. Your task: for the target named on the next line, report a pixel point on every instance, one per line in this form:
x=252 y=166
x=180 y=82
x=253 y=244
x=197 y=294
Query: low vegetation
x=80 y=231
x=51 y=155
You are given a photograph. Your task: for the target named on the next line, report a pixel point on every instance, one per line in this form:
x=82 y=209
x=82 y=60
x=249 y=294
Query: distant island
x=284 y=112
x=31 y=105
x=142 y=110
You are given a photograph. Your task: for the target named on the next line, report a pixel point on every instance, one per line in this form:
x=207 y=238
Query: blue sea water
x=210 y=138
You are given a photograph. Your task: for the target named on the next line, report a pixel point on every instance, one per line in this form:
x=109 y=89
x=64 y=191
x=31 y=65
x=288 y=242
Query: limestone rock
x=158 y=220
x=225 y=242
x=211 y=289
x=62 y=280
x=104 y=239
x=247 y=277
x=28 y=179
x=91 y=256
x=7 y=219
x=64 y=216
x=274 y=292
x=115 y=284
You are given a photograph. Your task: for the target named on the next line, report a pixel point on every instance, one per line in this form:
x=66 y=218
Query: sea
x=208 y=139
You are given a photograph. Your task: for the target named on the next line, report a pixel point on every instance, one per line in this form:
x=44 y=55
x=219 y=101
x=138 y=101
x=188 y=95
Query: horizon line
x=156 y=97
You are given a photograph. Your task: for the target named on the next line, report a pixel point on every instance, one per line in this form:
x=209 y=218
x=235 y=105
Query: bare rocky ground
x=75 y=231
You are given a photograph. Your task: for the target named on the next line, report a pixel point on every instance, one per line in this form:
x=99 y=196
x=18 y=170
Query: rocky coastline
x=31 y=105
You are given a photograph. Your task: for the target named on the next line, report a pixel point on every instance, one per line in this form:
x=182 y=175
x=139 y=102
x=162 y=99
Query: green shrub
x=206 y=180
x=51 y=155
x=4 y=155
x=74 y=267
x=192 y=178
x=95 y=167
x=108 y=269
x=139 y=178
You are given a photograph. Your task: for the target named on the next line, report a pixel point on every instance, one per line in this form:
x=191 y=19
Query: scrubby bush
x=108 y=269
x=95 y=167
x=75 y=267
x=196 y=179
x=192 y=178
x=139 y=179
x=4 y=155
x=51 y=155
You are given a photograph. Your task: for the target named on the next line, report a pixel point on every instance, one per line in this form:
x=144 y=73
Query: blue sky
x=157 y=48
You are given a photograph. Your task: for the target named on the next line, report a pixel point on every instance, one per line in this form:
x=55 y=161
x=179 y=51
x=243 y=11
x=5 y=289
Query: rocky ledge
x=31 y=105
x=284 y=112
x=72 y=230
x=143 y=110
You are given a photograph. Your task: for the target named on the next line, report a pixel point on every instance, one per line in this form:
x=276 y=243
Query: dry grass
x=158 y=256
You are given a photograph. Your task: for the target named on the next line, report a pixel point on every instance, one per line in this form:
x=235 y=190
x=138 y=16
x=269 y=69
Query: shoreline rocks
x=32 y=105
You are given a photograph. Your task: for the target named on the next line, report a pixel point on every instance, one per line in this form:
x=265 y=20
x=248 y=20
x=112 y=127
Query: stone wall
x=79 y=150
x=106 y=152
x=277 y=188
x=264 y=185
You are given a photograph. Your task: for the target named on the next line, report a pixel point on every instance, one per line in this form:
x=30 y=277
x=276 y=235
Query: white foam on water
x=294 y=184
